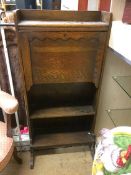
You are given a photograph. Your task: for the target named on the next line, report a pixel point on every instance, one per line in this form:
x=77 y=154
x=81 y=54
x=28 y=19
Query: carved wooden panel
x=62 y=57
x=17 y=73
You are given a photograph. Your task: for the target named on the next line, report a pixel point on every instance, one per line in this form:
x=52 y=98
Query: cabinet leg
x=92 y=149
x=32 y=158
x=92 y=144
x=19 y=160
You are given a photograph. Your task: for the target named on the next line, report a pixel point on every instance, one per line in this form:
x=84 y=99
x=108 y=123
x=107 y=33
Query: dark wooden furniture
x=62 y=54
x=9 y=105
x=51 y=4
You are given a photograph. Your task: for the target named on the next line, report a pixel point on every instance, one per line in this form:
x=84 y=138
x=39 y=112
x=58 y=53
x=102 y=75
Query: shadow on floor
x=62 y=161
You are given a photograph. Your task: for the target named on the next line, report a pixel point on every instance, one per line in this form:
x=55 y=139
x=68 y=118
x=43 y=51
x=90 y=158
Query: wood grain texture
x=63 y=139
x=62 y=55
x=54 y=15
x=63 y=112
x=26 y=62
x=9 y=132
x=106 y=17
x=61 y=94
x=53 y=56
x=16 y=70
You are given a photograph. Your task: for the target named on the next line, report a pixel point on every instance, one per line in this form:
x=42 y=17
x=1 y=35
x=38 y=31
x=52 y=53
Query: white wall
x=117 y=9
x=120 y=39
x=73 y=5
x=112 y=96
x=93 y=5
x=69 y=4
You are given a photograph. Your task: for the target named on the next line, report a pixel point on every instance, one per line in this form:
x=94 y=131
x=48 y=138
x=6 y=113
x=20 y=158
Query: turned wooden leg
x=92 y=144
x=31 y=158
x=92 y=149
x=19 y=160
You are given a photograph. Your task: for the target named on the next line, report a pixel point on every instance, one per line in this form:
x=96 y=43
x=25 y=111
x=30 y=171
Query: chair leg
x=32 y=158
x=19 y=160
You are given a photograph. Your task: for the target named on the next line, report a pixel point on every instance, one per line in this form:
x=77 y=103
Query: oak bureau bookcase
x=62 y=54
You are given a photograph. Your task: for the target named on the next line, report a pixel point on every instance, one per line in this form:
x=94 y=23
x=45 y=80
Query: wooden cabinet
x=62 y=53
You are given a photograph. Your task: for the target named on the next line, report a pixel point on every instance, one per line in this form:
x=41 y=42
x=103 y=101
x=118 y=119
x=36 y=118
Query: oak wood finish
x=16 y=70
x=61 y=139
x=48 y=15
x=62 y=54
x=63 y=112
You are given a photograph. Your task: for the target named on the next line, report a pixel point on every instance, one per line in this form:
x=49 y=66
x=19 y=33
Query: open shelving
x=62 y=60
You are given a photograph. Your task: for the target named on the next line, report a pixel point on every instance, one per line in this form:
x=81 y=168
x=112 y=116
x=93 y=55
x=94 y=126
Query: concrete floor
x=64 y=161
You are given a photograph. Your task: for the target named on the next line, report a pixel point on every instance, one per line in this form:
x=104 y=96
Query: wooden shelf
x=59 y=72
x=61 y=23
x=63 y=112
x=62 y=139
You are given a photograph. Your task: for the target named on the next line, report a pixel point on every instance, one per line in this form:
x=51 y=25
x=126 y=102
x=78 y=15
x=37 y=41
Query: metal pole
x=9 y=75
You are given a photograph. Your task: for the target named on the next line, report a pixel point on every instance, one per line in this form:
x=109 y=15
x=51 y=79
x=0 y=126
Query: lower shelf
x=60 y=112
x=62 y=140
